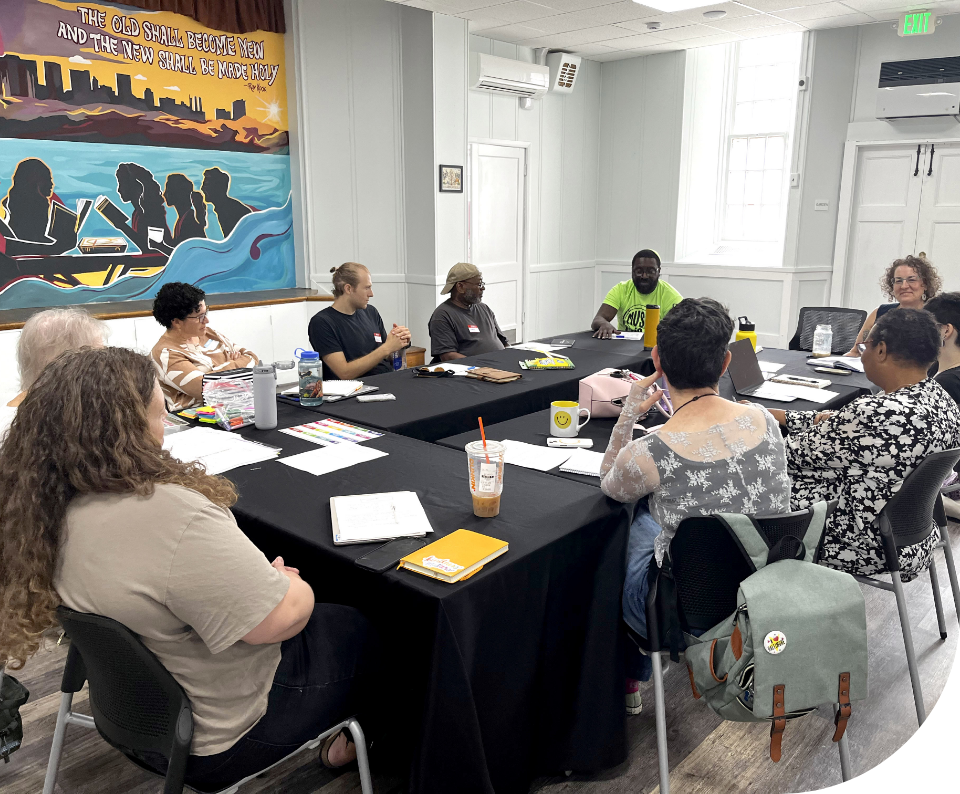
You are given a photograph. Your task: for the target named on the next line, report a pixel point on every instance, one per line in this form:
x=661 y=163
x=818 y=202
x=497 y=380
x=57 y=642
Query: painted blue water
x=88 y=170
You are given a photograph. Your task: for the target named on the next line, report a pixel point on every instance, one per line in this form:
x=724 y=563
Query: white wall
x=272 y=332
x=563 y=133
x=641 y=118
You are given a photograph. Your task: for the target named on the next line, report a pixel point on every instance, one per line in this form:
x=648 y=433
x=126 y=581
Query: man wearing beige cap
x=462 y=325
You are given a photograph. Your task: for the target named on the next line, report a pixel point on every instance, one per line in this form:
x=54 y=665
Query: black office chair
x=697 y=589
x=138 y=706
x=846 y=325
x=909 y=517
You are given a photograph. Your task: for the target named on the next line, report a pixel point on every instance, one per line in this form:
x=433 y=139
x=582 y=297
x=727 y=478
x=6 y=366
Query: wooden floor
x=707 y=755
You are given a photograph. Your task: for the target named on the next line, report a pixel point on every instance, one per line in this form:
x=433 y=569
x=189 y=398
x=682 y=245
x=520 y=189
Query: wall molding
x=549 y=267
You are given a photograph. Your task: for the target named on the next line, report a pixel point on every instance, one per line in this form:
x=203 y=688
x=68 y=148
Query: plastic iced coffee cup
x=486 y=477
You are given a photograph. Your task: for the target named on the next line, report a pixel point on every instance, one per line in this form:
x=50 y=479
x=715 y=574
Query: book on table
x=849 y=363
x=366 y=518
x=456 y=556
x=584 y=462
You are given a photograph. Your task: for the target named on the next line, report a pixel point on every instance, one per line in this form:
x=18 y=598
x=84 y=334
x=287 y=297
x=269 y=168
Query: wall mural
x=138 y=148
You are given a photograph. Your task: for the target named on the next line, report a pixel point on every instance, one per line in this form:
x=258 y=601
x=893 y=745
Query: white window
x=760 y=124
x=737 y=148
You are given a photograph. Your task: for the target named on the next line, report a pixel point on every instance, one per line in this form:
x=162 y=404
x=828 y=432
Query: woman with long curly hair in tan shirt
x=95 y=515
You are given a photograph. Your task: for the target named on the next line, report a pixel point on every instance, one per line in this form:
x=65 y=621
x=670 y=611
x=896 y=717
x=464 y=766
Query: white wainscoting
x=770 y=296
x=272 y=332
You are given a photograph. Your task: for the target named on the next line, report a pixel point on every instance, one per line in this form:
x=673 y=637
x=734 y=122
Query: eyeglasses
x=481 y=285
x=909 y=280
x=200 y=317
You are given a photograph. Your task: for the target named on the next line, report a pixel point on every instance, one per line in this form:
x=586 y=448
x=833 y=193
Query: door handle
x=933 y=148
x=916 y=171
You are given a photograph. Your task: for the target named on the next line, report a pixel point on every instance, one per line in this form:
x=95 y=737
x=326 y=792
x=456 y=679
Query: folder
x=455 y=557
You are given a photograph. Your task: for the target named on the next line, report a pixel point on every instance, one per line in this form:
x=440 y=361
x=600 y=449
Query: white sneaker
x=634 y=705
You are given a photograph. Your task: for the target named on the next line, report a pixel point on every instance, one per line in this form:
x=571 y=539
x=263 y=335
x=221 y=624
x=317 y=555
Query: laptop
x=747 y=376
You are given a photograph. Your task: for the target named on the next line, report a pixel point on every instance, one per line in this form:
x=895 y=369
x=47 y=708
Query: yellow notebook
x=455 y=557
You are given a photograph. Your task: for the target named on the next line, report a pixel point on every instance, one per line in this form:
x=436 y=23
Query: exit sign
x=917 y=23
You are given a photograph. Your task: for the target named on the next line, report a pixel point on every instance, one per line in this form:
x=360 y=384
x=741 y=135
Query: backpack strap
x=844 y=710
x=814 y=533
x=752 y=541
x=779 y=722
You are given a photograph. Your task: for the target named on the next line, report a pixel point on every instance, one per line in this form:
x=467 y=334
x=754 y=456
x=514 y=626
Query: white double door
x=496 y=236
x=906 y=200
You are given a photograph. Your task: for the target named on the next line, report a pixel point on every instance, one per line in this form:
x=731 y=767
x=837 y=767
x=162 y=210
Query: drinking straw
x=484 y=437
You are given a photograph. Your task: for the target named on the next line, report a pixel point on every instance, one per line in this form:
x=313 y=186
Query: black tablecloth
x=848 y=387
x=514 y=673
x=534 y=429
x=432 y=408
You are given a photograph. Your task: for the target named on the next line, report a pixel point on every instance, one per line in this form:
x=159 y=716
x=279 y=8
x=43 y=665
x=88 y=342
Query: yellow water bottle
x=650 y=322
x=747 y=331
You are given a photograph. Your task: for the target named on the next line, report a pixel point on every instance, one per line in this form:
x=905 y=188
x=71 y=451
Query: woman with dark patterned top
x=861 y=454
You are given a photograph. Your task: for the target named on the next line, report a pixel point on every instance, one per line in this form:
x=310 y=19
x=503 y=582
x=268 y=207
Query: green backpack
x=797 y=640
x=12 y=696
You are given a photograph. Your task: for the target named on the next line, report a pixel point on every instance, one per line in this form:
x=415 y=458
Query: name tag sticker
x=210 y=344
x=376 y=338
x=473 y=329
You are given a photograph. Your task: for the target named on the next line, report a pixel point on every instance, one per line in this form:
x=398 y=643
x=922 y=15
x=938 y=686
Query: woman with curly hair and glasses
x=95 y=515
x=910 y=282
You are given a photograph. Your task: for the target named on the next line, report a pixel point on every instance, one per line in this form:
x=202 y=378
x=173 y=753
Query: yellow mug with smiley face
x=564 y=418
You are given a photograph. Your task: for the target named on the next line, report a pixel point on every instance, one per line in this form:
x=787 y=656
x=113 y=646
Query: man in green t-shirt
x=628 y=300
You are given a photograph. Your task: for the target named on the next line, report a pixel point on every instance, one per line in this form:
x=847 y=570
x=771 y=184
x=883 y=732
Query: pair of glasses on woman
x=909 y=280
x=200 y=317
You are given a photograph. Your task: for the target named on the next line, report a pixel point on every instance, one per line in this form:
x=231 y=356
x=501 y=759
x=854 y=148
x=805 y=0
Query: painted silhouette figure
x=228 y=210
x=136 y=186
x=179 y=193
x=27 y=203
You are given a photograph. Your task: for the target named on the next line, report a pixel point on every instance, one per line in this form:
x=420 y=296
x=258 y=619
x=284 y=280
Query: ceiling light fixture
x=653 y=26
x=675 y=5
x=717 y=13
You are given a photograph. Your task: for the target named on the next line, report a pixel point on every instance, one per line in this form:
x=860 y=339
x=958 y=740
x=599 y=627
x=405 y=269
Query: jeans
x=318 y=683
x=636 y=585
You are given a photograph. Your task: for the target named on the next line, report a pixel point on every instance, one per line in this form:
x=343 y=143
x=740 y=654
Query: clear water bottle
x=400 y=359
x=822 y=341
x=310 y=370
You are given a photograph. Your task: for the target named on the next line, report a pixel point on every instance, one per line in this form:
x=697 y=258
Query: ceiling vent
x=563 y=71
x=508 y=77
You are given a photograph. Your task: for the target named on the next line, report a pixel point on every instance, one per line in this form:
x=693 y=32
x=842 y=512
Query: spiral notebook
x=585 y=462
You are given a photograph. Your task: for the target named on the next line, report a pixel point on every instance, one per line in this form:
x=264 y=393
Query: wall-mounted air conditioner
x=913 y=89
x=563 y=71
x=507 y=77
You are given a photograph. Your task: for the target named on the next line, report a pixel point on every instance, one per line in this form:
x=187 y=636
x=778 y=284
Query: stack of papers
x=217 y=450
x=341 y=388
x=585 y=462
x=327 y=432
x=539 y=347
x=530 y=456
x=633 y=336
x=376 y=516
x=769 y=367
x=787 y=393
x=324 y=461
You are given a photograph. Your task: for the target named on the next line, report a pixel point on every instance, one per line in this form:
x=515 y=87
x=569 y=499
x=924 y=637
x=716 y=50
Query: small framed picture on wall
x=451 y=179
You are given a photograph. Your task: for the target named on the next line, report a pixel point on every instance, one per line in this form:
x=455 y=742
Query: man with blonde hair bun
x=43 y=338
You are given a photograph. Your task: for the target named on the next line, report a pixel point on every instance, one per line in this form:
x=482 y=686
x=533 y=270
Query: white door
x=886 y=203
x=495 y=237
x=938 y=227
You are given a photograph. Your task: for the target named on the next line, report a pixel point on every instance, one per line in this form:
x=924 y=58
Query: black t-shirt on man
x=354 y=335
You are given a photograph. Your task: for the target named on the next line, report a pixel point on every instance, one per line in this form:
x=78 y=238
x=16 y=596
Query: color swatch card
x=328 y=432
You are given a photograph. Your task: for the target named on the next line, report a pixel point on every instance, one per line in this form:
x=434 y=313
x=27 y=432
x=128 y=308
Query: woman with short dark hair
x=860 y=454
x=95 y=515
x=190 y=348
x=711 y=456
x=909 y=282
x=945 y=309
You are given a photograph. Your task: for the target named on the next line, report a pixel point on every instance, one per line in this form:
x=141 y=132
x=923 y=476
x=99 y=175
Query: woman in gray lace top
x=712 y=456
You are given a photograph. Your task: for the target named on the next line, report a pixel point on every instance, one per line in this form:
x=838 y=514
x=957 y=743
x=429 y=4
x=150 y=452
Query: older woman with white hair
x=43 y=338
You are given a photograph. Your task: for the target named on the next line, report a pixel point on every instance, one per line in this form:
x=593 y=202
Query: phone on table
x=385 y=557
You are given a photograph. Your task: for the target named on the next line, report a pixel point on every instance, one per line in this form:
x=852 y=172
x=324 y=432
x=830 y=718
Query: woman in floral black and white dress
x=861 y=454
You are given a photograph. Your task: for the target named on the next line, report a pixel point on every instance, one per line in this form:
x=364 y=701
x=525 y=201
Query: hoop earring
x=924 y=297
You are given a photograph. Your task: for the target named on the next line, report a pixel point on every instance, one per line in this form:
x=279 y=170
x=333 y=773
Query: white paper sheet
x=767 y=367
x=853 y=363
x=583 y=461
x=530 y=456
x=379 y=516
x=539 y=347
x=785 y=393
x=631 y=336
x=328 y=459
x=458 y=369
x=217 y=450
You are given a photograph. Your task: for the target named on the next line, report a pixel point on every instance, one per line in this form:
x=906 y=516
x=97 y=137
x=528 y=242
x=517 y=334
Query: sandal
x=328 y=743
